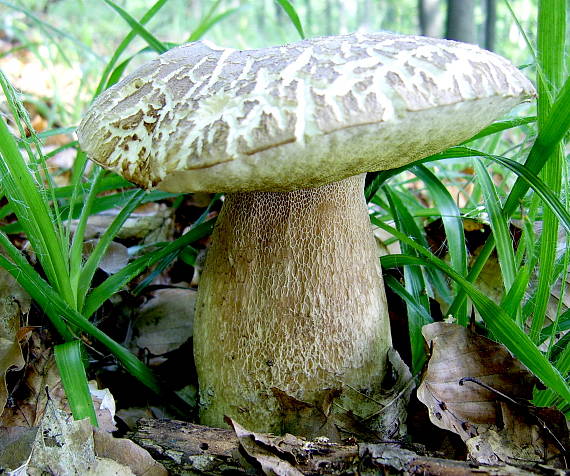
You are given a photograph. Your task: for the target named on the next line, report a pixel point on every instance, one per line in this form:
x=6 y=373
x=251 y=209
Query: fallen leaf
x=379 y=413
x=165 y=322
x=104 y=404
x=10 y=352
x=127 y=453
x=310 y=419
x=151 y=222
x=38 y=382
x=107 y=467
x=475 y=388
x=9 y=287
x=62 y=446
x=266 y=451
x=130 y=416
x=115 y=258
x=16 y=444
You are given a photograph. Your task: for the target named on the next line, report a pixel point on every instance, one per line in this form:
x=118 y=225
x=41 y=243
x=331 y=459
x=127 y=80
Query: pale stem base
x=291 y=297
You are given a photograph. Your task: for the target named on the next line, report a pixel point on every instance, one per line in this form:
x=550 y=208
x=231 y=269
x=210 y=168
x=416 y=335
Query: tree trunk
x=328 y=17
x=363 y=14
x=490 y=24
x=308 y=24
x=430 y=18
x=460 y=21
x=260 y=14
x=279 y=14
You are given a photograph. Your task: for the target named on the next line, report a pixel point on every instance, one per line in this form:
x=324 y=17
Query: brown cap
x=205 y=118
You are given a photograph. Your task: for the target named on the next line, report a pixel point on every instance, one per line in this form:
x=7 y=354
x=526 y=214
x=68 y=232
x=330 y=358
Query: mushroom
x=291 y=299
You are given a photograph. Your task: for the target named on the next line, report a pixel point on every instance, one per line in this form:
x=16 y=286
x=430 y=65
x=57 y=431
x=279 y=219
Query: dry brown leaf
x=62 y=446
x=16 y=445
x=166 y=321
x=104 y=404
x=115 y=258
x=127 y=453
x=475 y=388
x=130 y=416
x=266 y=451
x=11 y=357
x=9 y=287
x=375 y=416
x=39 y=381
x=151 y=222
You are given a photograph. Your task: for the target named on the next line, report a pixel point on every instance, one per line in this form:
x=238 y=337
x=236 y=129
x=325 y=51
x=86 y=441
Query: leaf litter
x=476 y=389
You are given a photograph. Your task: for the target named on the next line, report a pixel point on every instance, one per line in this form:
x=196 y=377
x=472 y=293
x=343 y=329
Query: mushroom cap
x=204 y=118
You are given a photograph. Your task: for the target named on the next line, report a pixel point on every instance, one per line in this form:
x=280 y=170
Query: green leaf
x=415 y=283
x=452 y=223
x=70 y=365
x=499 y=226
x=137 y=27
x=496 y=319
x=292 y=14
x=115 y=282
x=103 y=84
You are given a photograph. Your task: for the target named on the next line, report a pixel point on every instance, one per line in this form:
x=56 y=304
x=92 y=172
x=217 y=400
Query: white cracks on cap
x=218 y=119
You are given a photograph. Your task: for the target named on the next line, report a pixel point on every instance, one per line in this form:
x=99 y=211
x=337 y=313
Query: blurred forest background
x=64 y=44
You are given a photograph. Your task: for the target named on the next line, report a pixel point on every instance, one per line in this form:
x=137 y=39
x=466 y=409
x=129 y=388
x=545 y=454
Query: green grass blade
x=555 y=127
x=453 y=225
x=540 y=188
x=76 y=249
x=501 y=126
x=209 y=22
x=499 y=226
x=102 y=245
x=548 y=397
x=551 y=55
x=293 y=16
x=397 y=260
x=411 y=303
x=511 y=302
x=70 y=365
x=117 y=73
x=27 y=276
x=138 y=28
x=115 y=282
x=123 y=46
x=562 y=325
x=57 y=310
x=415 y=283
x=33 y=213
x=496 y=319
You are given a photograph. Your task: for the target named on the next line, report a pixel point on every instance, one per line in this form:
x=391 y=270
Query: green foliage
x=44 y=214
x=537 y=190
x=535 y=263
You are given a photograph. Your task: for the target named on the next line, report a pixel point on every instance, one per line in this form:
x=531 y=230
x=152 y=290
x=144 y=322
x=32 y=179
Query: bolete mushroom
x=291 y=299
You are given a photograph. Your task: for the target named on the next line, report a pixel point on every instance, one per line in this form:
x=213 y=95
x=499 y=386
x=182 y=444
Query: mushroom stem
x=291 y=297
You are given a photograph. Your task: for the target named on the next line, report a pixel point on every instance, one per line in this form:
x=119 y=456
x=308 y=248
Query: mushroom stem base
x=291 y=307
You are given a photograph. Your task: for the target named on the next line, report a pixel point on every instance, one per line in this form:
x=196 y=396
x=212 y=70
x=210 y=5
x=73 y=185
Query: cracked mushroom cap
x=206 y=118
